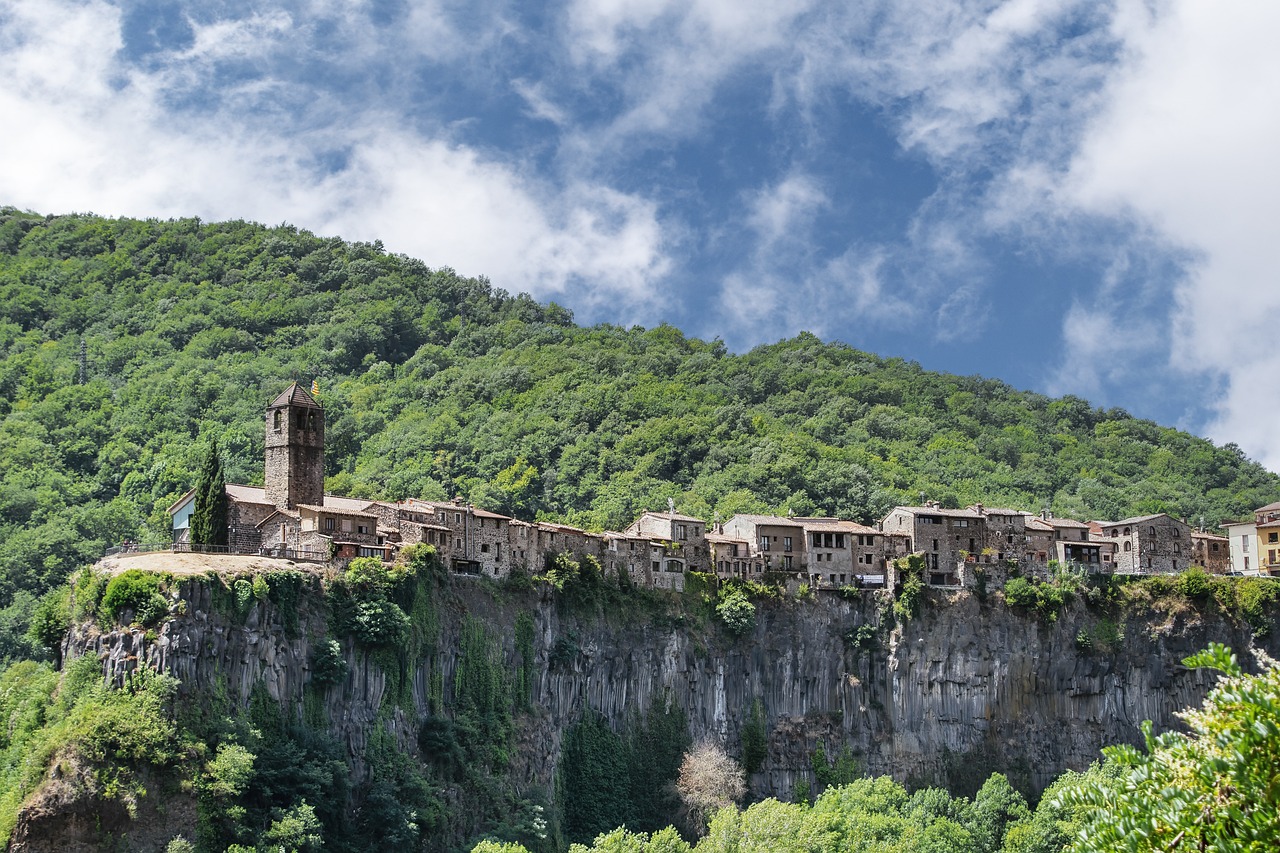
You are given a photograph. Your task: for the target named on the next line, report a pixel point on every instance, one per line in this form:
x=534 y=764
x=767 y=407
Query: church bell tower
x=295 y=449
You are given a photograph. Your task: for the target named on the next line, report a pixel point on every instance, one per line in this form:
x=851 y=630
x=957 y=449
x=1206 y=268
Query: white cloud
x=84 y=131
x=1187 y=144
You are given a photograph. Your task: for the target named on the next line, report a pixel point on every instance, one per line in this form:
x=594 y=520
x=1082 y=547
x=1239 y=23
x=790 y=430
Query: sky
x=1073 y=197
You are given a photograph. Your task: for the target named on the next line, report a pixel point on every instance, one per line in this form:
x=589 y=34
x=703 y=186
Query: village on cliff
x=291 y=517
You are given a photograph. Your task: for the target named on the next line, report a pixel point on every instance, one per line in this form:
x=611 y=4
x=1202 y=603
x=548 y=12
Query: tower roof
x=295 y=395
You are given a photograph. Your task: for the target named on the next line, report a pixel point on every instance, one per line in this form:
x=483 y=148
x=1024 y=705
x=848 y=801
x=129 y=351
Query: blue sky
x=1074 y=197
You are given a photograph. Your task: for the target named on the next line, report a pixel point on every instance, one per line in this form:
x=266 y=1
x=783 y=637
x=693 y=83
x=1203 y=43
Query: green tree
x=1214 y=788
x=209 y=518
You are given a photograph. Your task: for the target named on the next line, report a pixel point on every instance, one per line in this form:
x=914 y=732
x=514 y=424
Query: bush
x=137 y=592
x=737 y=612
x=1257 y=596
x=378 y=622
x=1195 y=583
x=328 y=666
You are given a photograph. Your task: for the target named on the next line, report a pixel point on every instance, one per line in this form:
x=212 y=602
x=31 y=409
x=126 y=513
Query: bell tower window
x=275 y=420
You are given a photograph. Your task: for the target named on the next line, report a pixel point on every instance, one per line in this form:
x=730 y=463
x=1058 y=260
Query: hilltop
x=124 y=344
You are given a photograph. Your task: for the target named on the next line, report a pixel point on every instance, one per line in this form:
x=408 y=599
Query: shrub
x=1257 y=596
x=737 y=612
x=328 y=666
x=137 y=592
x=378 y=622
x=1195 y=583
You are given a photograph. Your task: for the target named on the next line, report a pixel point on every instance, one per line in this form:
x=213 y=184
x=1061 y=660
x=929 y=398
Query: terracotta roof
x=1035 y=522
x=295 y=395
x=1269 y=507
x=997 y=510
x=723 y=537
x=1066 y=522
x=248 y=494
x=1204 y=534
x=337 y=510
x=287 y=513
x=341 y=504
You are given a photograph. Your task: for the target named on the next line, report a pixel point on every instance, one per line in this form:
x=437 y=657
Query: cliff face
x=964 y=689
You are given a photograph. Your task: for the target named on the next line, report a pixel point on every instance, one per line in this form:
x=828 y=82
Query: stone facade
x=294 y=465
x=778 y=542
x=1150 y=544
x=944 y=537
x=1210 y=551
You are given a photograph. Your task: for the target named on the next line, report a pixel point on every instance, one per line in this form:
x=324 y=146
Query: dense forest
x=124 y=344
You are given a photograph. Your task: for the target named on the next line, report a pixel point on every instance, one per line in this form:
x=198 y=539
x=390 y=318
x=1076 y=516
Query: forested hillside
x=437 y=385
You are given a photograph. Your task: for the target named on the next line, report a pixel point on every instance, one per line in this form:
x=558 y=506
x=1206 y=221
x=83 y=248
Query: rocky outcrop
x=964 y=689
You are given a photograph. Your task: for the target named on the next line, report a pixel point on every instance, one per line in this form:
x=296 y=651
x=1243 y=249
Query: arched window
x=1126 y=531
x=1128 y=547
x=275 y=421
x=1114 y=533
x=1151 y=530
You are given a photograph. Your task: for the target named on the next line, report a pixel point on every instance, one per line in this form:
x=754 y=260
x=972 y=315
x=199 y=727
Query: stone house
x=842 y=553
x=629 y=556
x=944 y=537
x=1150 y=544
x=1210 y=551
x=779 y=542
x=733 y=556
x=683 y=540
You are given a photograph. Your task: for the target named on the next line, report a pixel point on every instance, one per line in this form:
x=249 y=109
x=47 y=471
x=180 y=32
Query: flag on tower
x=315 y=387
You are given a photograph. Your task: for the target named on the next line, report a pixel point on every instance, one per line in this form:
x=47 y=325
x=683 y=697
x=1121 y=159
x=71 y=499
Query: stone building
x=680 y=539
x=944 y=537
x=842 y=553
x=1210 y=551
x=1150 y=544
x=733 y=556
x=778 y=542
x=294 y=467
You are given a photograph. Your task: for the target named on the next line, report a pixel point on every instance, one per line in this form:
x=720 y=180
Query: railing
x=187 y=548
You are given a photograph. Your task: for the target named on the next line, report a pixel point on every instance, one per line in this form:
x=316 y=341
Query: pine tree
x=209 y=518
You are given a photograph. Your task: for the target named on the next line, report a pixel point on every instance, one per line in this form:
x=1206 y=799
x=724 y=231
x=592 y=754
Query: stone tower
x=295 y=449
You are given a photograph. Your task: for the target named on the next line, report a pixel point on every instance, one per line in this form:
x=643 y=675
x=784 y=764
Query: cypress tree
x=209 y=517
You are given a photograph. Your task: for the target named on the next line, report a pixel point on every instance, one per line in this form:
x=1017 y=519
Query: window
x=733 y=550
x=786 y=543
x=362 y=528
x=1244 y=541
x=786 y=562
x=275 y=420
x=1213 y=546
x=764 y=543
x=682 y=531
x=1128 y=546
x=655 y=565
x=301 y=420
x=935 y=544
x=1246 y=564
x=1151 y=530
x=371 y=552
x=1273 y=537
x=347 y=525
x=484 y=548
x=329 y=524
x=839 y=540
x=962 y=522
x=457 y=543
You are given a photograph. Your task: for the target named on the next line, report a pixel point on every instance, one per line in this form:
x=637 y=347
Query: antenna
x=671 y=505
